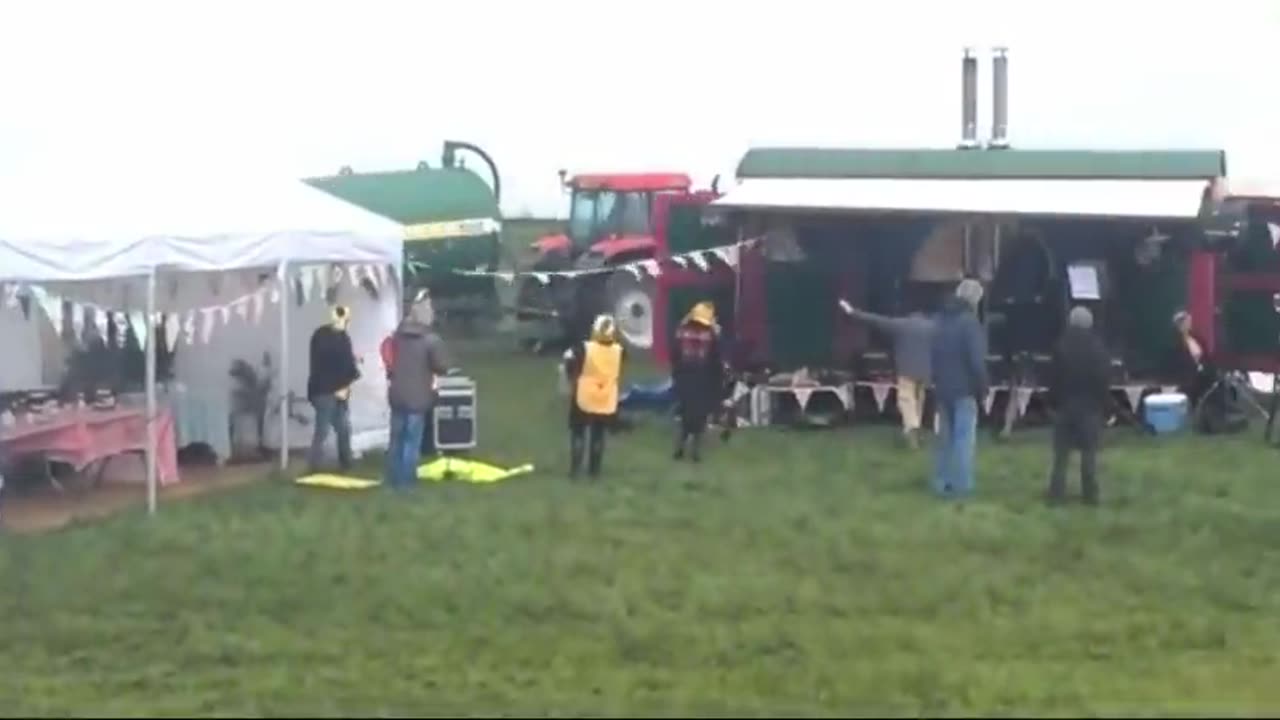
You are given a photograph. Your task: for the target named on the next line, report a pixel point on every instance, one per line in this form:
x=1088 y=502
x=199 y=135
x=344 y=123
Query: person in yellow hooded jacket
x=594 y=371
x=697 y=372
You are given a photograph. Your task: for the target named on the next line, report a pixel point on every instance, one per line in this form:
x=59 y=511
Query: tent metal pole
x=151 y=393
x=285 y=406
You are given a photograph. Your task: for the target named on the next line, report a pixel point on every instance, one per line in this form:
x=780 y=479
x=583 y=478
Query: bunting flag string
x=727 y=255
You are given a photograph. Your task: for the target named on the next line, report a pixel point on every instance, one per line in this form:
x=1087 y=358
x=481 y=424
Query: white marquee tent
x=164 y=242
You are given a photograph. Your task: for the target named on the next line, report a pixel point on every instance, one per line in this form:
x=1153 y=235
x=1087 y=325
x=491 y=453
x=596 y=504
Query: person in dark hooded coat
x=697 y=371
x=1079 y=387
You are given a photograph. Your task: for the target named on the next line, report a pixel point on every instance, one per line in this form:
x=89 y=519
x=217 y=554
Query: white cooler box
x=453 y=418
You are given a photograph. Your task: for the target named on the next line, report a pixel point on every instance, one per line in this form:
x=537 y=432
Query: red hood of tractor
x=608 y=247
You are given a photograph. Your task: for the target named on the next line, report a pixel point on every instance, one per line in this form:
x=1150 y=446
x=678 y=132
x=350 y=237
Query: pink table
x=81 y=438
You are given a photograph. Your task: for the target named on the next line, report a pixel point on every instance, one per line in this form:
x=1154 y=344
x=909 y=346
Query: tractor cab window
x=633 y=213
x=596 y=213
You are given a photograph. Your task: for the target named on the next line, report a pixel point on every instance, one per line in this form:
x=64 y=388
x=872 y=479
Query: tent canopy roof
x=100 y=224
x=1006 y=164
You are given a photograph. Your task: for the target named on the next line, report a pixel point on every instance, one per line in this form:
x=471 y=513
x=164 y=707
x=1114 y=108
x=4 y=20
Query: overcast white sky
x=297 y=88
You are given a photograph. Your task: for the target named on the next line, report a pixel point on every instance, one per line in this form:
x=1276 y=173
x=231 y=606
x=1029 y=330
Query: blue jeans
x=330 y=412
x=953 y=455
x=404 y=448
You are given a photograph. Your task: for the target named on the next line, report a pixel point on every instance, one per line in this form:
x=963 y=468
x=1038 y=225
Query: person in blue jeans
x=333 y=369
x=415 y=358
x=958 y=356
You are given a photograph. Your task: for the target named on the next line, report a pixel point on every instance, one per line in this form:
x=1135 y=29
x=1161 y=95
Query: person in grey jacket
x=912 y=345
x=959 y=365
x=417 y=356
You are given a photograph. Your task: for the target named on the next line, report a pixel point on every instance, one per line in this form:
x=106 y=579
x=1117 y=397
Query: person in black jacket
x=1079 y=387
x=332 y=372
x=697 y=372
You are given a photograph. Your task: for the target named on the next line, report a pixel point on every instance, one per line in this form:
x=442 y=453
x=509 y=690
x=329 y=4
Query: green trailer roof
x=415 y=197
x=1008 y=164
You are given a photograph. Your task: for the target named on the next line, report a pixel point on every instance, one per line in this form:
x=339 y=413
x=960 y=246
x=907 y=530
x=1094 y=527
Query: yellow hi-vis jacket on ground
x=597 y=390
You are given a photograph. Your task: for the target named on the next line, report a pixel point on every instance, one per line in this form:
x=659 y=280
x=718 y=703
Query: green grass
x=792 y=573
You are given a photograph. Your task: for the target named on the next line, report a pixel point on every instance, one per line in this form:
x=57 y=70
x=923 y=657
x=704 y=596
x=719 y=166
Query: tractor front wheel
x=630 y=300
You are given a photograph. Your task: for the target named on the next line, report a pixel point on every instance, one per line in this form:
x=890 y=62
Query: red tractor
x=611 y=223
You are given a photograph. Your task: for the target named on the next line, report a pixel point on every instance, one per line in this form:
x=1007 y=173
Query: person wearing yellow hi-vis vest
x=594 y=371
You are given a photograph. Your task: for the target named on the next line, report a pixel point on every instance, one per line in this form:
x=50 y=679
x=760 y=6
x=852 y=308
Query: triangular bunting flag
x=189 y=327
x=542 y=278
x=136 y=321
x=224 y=314
x=77 y=322
x=651 y=267
x=802 y=396
x=1024 y=399
x=259 y=305
x=100 y=323
x=274 y=294
x=241 y=306
x=355 y=274
x=633 y=269
x=171 y=329
x=507 y=277
x=680 y=260
x=50 y=304
x=1275 y=234
x=1133 y=394
x=701 y=261
x=336 y=273
x=321 y=276
x=206 y=324
x=881 y=393
x=728 y=255
x=304 y=282
x=988 y=401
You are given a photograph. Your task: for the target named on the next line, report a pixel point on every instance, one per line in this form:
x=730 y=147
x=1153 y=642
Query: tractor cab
x=611 y=213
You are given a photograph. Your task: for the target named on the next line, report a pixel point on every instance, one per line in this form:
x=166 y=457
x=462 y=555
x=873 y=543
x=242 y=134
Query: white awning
x=1164 y=199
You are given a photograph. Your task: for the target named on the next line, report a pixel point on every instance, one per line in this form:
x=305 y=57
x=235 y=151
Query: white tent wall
x=203 y=368
x=26 y=369
x=202 y=364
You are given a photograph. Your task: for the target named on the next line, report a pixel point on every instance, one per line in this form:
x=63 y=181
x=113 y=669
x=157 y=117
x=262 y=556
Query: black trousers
x=1080 y=431
x=586 y=437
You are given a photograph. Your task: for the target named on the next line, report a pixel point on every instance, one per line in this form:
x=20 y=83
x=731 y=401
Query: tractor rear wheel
x=630 y=300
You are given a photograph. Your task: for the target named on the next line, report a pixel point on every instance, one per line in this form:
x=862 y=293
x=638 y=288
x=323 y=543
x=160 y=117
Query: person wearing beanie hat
x=416 y=356
x=958 y=361
x=1079 y=388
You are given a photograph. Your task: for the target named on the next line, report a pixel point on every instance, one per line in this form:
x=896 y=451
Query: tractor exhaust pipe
x=999 y=99
x=968 y=100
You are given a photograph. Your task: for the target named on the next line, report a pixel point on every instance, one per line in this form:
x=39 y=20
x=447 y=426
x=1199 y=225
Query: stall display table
x=83 y=438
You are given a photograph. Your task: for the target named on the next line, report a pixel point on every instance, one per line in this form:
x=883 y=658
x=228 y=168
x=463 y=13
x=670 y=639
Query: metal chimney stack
x=969 y=100
x=999 y=99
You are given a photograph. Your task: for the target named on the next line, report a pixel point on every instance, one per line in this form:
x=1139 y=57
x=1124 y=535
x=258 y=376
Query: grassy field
x=792 y=573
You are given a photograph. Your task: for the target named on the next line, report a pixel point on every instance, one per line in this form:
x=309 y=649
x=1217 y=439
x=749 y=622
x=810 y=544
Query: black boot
x=576 y=449
x=595 y=456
